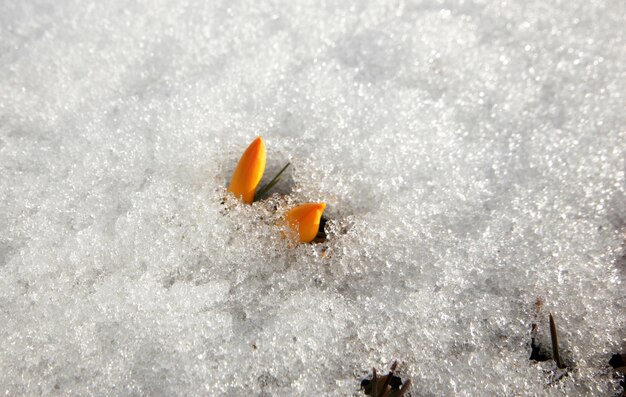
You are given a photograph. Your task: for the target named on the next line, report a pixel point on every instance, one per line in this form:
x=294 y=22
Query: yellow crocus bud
x=305 y=220
x=249 y=171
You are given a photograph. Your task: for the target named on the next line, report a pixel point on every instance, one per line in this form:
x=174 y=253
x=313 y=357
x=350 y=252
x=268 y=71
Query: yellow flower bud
x=305 y=220
x=249 y=171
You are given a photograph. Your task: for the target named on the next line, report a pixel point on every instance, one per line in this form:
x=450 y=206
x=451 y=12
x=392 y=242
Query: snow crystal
x=471 y=154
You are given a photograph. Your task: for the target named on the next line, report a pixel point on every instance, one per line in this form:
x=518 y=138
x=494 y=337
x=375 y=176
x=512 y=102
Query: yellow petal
x=305 y=220
x=249 y=171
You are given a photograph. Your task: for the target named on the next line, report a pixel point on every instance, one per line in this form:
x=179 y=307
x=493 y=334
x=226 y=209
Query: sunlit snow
x=470 y=153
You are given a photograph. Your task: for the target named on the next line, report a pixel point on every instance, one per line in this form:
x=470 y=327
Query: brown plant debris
x=385 y=386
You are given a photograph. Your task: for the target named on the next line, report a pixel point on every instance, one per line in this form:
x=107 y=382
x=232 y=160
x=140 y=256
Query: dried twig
x=555 y=343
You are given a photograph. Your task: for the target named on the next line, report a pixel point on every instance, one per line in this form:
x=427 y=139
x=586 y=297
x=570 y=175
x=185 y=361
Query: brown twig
x=555 y=343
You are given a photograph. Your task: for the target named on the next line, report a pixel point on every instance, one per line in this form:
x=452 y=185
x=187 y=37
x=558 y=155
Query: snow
x=471 y=155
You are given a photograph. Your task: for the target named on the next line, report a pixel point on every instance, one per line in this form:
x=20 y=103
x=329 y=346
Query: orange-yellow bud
x=249 y=171
x=305 y=220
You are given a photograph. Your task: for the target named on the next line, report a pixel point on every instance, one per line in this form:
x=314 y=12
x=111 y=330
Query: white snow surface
x=471 y=154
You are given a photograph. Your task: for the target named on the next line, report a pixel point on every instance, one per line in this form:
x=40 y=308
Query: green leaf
x=266 y=188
